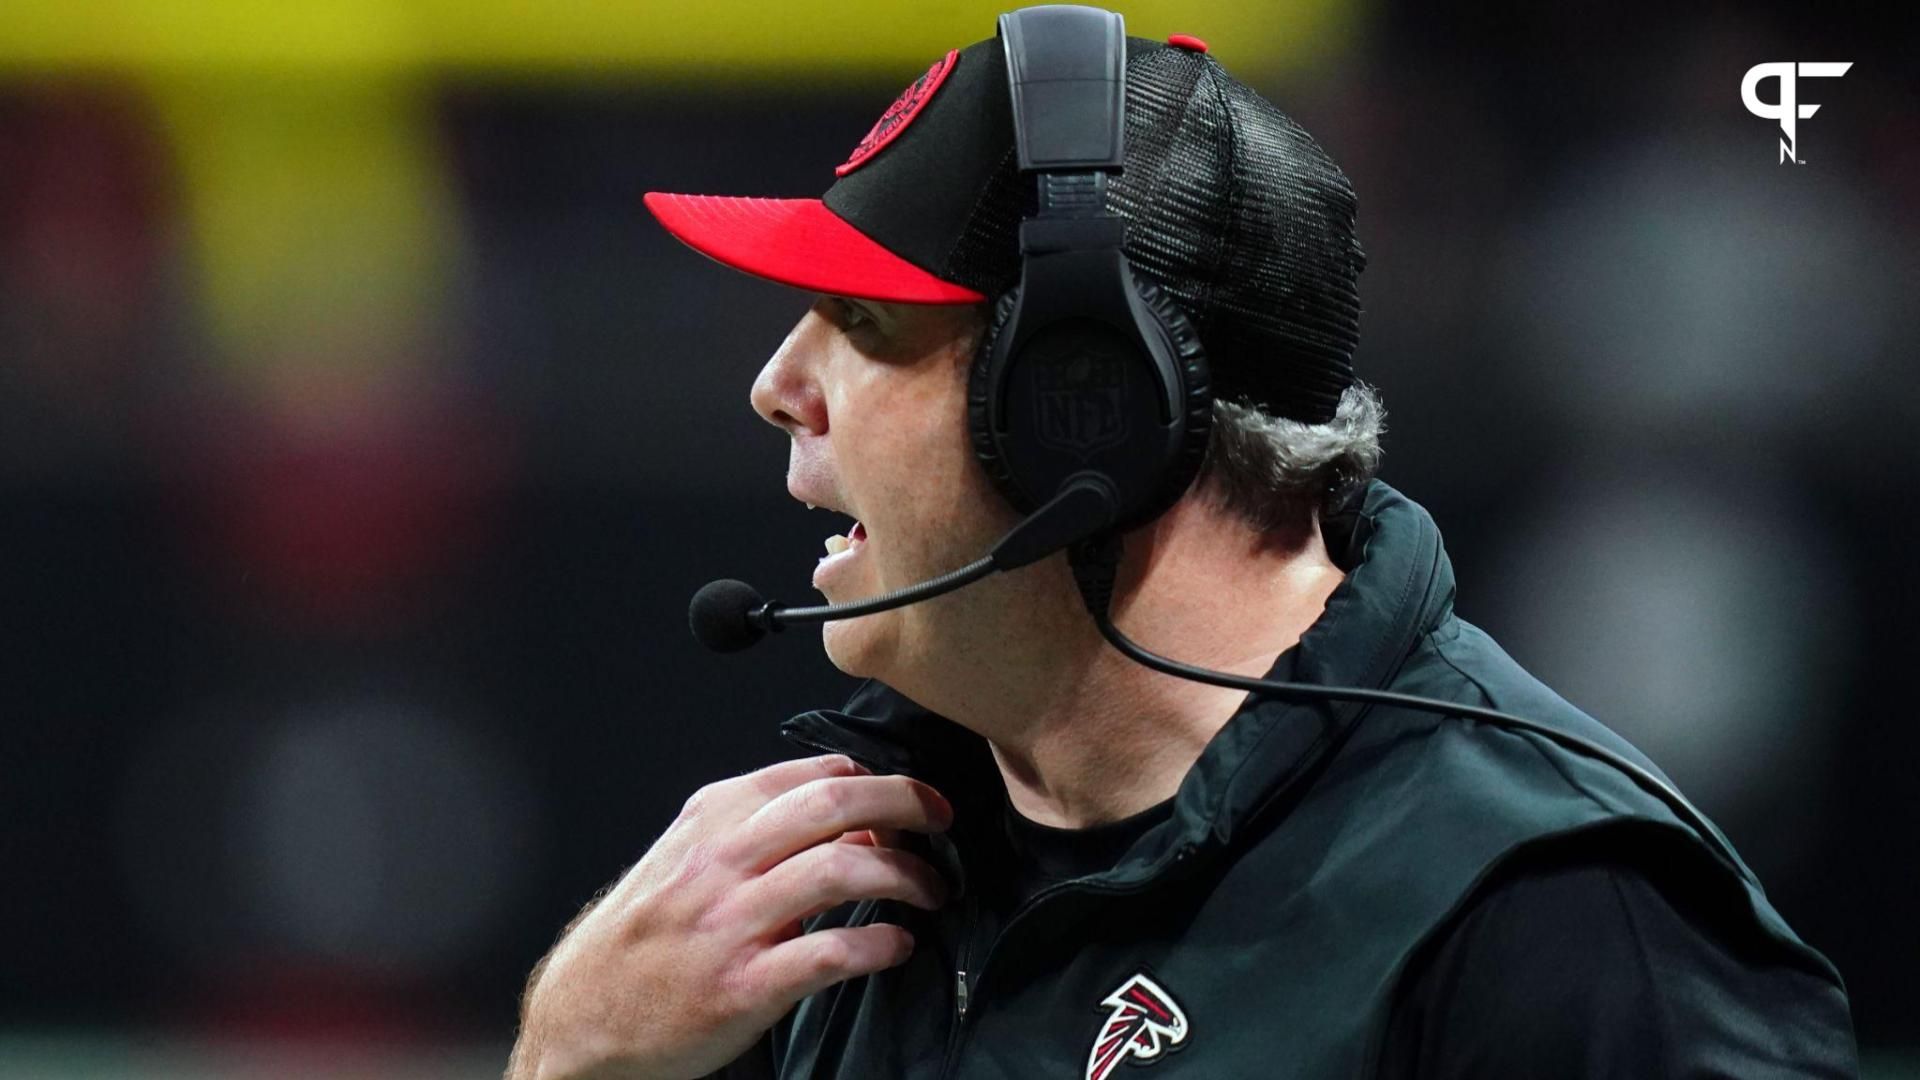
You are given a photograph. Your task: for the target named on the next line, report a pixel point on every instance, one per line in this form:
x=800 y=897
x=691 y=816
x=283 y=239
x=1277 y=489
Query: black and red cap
x=1231 y=208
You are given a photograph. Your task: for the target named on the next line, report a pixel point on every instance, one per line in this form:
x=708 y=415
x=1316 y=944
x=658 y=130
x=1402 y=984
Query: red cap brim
x=799 y=242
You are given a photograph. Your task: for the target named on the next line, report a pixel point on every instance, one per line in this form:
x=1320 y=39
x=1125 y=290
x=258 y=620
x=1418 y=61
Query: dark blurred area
x=362 y=440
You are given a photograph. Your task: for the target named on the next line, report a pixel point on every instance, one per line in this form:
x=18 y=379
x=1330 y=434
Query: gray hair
x=1276 y=474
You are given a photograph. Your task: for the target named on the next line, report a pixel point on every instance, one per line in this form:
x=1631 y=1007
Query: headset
x=1089 y=402
x=1086 y=375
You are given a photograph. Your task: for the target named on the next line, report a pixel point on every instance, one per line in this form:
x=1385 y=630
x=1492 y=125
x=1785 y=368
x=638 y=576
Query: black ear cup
x=1194 y=392
x=980 y=391
x=1073 y=394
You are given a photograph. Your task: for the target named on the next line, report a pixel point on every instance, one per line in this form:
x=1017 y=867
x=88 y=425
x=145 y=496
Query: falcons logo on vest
x=1144 y=1022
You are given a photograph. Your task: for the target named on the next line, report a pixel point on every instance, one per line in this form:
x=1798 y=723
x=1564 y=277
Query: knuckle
x=820 y=800
x=840 y=864
x=735 y=990
x=698 y=803
x=722 y=912
x=831 y=953
x=694 y=863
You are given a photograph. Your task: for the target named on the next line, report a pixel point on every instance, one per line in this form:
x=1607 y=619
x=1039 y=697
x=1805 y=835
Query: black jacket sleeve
x=1623 y=956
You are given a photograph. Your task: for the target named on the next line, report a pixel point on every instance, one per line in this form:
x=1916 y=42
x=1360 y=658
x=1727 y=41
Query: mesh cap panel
x=1235 y=212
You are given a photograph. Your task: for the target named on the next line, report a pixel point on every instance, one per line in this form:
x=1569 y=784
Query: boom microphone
x=729 y=615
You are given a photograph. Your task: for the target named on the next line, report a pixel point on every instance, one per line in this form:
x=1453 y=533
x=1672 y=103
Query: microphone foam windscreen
x=718 y=615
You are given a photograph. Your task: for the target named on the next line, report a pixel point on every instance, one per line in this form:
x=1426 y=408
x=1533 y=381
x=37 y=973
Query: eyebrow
x=870 y=308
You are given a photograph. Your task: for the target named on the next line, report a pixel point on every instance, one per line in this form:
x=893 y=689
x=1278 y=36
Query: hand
x=697 y=950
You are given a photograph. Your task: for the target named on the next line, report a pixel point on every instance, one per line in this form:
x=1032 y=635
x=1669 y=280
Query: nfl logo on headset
x=1079 y=400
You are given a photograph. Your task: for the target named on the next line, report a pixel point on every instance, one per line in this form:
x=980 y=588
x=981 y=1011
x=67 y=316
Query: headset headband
x=1067 y=70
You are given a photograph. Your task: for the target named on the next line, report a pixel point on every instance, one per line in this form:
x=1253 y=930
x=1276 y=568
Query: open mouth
x=841 y=551
x=841 y=545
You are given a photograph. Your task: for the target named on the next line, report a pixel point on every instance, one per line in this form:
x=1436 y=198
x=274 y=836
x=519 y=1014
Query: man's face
x=874 y=398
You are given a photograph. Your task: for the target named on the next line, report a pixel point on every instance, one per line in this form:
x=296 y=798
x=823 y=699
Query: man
x=1021 y=854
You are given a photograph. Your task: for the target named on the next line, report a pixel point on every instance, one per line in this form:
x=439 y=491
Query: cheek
x=935 y=485
x=940 y=520
x=908 y=458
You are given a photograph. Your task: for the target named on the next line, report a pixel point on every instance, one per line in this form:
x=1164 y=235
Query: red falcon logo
x=1144 y=1022
x=900 y=113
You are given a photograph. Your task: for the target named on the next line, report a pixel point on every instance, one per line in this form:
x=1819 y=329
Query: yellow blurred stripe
x=320 y=229
x=718 y=39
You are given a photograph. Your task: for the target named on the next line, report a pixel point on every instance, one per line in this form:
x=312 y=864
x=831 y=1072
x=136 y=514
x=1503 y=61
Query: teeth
x=810 y=506
x=837 y=544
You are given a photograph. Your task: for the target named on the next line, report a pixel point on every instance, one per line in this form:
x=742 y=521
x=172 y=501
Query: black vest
x=1312 y=849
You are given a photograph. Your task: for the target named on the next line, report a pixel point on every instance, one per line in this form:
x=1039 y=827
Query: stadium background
x=362 y=439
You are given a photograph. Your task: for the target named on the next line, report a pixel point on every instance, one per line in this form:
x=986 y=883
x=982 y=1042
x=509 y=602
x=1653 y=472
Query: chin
x=852 y=644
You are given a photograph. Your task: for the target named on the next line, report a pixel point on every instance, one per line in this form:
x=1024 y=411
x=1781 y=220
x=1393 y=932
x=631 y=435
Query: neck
x=1083 y=735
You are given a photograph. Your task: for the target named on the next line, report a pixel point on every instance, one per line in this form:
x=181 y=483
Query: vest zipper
x=963 y=999
x=960 y=982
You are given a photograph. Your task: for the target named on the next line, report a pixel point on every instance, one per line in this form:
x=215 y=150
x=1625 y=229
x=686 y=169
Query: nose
x=787 y=392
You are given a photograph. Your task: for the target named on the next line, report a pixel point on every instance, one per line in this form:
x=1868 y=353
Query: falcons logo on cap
x=1144 y=1022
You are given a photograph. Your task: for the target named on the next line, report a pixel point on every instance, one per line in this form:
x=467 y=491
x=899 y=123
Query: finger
x=821 y=810
x=872 y=837
x=784 y=776
x=812 y=962
x=737 y=798
x=829 y=875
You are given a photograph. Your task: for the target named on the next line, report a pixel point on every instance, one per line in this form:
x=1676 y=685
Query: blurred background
x=362 y=440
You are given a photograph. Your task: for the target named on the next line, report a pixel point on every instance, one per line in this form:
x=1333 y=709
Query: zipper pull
x=961 y=995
